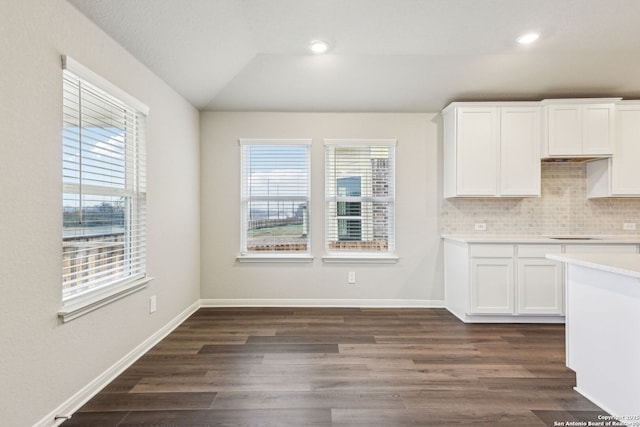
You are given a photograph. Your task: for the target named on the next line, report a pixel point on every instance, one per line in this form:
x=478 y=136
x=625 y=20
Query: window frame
x=132 y=191
x=357 y=255
x=273 y=256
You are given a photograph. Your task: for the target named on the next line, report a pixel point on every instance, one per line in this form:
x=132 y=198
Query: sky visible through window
x=275 y=175
x=97 y=153
x=94 y=156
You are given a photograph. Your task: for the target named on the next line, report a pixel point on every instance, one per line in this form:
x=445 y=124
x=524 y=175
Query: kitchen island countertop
x=625 y=264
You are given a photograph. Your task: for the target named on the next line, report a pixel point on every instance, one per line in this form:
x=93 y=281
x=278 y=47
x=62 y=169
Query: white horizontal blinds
x=275 y=196
x=360 y=196
x=104 y=190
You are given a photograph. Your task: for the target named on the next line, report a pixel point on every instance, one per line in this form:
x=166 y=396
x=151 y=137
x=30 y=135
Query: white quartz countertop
x=626 y=264
x=560 y=239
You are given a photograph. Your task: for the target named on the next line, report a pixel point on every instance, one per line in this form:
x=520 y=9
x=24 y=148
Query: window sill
x=361 y=259
x=275 y=258
x=87 y=305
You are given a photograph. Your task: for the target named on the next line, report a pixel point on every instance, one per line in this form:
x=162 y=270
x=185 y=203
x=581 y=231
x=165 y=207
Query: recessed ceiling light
x=319 y=46
x=528 y=38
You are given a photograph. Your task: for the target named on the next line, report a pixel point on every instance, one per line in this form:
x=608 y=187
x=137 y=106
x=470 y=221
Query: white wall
x=416 y=279
x=43 y=362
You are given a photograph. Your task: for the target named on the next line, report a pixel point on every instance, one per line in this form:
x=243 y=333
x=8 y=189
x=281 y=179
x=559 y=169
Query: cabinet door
x=625 y=163
x=540 y=286
x=565 y=130
x=492 y=286
x=476 y=151
x=597 y=129
x=520 y=151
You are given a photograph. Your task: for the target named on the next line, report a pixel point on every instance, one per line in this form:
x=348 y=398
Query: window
x=104 y=191
x=359 y=196
x=275 y=197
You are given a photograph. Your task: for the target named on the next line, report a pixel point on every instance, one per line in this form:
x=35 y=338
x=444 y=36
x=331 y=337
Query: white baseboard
x=354 y=303
x=75 y=402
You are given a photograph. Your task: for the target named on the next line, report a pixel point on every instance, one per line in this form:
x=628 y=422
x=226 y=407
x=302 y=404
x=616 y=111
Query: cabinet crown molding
x=580 y=101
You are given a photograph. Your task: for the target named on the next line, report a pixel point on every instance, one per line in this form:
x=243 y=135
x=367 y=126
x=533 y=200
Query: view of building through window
x=359 y=186
x=349 y=214
x=359 y=196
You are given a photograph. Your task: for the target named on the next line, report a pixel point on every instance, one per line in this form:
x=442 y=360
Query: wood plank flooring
x=344 y=367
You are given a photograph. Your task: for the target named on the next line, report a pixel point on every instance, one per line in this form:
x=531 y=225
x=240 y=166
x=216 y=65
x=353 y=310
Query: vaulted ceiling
x=385 y=55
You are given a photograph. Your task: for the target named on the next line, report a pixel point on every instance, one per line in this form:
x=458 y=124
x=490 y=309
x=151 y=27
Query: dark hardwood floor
x=344 y=367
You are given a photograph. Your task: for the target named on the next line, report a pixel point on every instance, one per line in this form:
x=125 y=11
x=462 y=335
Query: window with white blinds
x=104 y=190
x=360 y=196
x=275 y=196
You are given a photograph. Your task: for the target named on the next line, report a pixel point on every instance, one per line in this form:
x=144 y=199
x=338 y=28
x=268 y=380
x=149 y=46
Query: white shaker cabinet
x=487 y=282
x=578 y=127
x=511 y=282
x=619 y=176
x=491 y=150
x=540 y=281
x=471 y=151
x=492 y=278
x=519 y=151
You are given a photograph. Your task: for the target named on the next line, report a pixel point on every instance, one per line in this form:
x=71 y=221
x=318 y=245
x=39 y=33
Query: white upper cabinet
x=492 y=150
x=619 y=176
x=578 y=127
x=519 y=151
x=471 y=151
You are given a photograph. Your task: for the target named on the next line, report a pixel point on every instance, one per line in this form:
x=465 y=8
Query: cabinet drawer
x=494 y=251
x=537 y=251
x=586 y=248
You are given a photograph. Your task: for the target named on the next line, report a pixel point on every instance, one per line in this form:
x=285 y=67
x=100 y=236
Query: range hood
x=570 y=159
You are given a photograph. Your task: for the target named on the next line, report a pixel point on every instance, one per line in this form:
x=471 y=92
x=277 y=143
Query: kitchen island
x=603 y=328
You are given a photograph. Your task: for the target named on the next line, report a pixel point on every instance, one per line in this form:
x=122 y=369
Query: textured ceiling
x=386 y=55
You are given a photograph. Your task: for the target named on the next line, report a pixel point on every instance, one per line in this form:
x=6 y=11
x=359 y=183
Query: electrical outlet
x=629 y=226
x=153 y=304
x=481 y=226
x=351 y=279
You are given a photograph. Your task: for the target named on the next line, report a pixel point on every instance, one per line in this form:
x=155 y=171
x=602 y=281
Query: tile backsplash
x=563 y=209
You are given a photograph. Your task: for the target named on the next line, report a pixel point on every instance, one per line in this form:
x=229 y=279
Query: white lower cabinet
x=523 y=281
x=540 y=286
x=503 y=282
x=510 y=282
x=492 y=285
